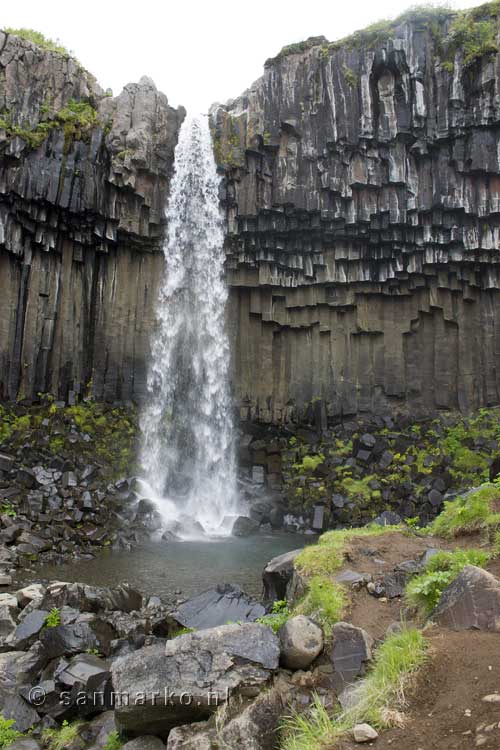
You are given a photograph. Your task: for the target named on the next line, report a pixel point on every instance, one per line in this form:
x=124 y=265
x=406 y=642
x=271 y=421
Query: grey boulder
x=90 y=598
x=200 y=670
x=146 y=742
x=249 y=725
x=301 y=642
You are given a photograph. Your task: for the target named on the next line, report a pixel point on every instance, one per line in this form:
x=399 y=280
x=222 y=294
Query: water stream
x=187 y=452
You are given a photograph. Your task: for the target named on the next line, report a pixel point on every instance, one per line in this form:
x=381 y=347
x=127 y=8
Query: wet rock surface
x=226 y=603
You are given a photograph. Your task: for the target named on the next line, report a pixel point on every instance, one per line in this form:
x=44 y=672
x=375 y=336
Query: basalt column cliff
x=361 y=184
x=83 y=184
x=363 y=198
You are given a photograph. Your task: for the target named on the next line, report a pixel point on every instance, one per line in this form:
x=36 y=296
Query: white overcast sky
x=196 y=52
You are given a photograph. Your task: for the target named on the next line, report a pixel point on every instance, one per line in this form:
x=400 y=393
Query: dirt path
x=463 y=668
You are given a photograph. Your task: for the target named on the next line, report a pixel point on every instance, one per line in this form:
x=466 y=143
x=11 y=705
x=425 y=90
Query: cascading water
x=187 y=451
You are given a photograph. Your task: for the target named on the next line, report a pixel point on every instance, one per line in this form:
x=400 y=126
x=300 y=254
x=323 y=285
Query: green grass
x=469 y=513
x=7 y=734
x=425 y=589
x=325 y=602
x=62 y=738
x=40 y=40
x=379 y=697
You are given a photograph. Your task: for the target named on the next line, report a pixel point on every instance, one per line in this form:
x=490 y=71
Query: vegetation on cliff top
x=36 y=37
x=473 y=31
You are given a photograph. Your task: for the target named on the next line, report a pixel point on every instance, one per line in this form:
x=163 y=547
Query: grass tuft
x=8 y=734
x=478 y=510
x=62 y=738
x=324 y=602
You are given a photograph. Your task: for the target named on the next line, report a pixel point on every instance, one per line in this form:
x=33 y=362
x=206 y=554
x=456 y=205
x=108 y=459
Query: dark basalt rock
x=91 y=598
x=277 y=575
x=226 y=603
x=79 y=636
x=350 y=652
x=28 y=631
x=244 y=526
x=471 y=601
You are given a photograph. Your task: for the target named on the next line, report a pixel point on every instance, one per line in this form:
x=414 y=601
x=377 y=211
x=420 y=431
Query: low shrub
x=442 y=568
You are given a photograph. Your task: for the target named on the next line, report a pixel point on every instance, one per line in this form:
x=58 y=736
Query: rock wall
x=363 y=194
x=81 y=222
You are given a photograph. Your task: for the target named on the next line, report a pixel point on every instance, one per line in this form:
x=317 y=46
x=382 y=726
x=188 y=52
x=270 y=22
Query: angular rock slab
x=277 y=574
x=199 y=670
x=471 y=601
x=351 y=649
x=226 y=603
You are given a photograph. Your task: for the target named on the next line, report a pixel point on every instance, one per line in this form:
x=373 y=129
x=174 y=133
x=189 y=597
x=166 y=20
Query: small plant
x=62 y=738
x=425 y=589
x=53 y=619
x=113 y=741
x=7 y=734
x=350 y=76
x=279 y=614
x=7 y=509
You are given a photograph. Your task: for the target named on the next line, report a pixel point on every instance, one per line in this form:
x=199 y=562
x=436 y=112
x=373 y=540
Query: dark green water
x=161 y=569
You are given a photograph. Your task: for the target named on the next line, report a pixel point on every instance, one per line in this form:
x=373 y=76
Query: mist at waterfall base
x=187 y=457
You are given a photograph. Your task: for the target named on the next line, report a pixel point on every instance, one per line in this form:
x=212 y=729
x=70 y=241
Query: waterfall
x=187 y=447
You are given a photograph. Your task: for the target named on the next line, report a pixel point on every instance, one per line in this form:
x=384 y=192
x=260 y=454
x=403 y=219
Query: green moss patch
x=77 y=120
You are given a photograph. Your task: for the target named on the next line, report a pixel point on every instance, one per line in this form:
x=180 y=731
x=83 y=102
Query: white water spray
x=187 y=450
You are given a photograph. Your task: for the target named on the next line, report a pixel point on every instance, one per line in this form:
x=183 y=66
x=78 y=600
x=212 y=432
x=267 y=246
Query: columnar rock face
x=81 y=223
x=363 y=194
